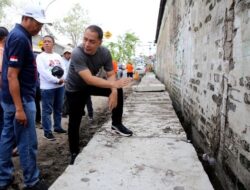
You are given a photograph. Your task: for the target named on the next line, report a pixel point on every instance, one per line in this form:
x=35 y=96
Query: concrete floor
x=157 y=157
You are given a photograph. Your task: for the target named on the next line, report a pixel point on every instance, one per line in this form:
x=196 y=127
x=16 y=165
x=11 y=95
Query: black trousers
x=90 y=107
x=130 y=75
x=77 y=101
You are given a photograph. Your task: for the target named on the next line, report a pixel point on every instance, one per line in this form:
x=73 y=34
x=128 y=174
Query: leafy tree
x=124 y=49
x=3 y=3
x=73 y=24
x=113 y=47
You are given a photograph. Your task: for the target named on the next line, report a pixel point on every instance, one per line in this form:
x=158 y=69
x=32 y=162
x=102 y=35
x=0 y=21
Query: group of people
x=51 y=90
x=19 y=83
x=119 y=68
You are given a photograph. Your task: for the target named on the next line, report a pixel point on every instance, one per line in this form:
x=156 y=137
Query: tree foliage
x=124 y=48
x=3 y=3
x=73 y=24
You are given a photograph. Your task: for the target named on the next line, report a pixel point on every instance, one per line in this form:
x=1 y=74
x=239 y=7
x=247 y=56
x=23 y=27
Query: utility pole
x=45 y=26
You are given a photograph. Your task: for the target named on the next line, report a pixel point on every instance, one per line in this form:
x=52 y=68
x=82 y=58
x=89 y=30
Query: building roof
x=160 y=15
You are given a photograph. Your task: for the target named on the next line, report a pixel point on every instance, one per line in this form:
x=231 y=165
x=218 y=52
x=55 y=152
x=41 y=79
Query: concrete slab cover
x=149 y=83
x=136 y=164
x=157 y=157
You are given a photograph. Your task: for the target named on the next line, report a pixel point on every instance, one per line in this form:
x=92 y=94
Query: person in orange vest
x=115 y=67
x=130 y=69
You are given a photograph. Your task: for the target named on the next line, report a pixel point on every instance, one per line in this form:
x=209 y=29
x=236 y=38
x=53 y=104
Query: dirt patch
x=53 y=156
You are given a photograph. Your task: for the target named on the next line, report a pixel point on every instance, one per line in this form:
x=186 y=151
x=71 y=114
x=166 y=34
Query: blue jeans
x=52 y=101
x=1 y=120
x=26 y=140
x=1 y=114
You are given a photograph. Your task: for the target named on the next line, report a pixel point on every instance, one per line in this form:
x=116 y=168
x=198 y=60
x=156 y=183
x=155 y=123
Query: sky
x=116 y=16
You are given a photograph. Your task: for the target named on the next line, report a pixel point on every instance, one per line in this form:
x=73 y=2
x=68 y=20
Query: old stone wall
x=203 y=58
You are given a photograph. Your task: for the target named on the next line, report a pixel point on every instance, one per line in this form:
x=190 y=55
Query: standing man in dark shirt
x=82 y=81
x=3 y=35
x=19 y=75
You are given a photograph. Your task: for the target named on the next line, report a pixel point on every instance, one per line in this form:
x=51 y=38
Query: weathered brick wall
x=203 y=57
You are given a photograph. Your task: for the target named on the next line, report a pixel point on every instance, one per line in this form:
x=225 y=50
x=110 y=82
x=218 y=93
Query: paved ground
x=157 y=157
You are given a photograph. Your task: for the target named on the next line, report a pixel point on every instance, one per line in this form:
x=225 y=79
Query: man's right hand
x=122 y=82
x=61 y=81
x=21 y=117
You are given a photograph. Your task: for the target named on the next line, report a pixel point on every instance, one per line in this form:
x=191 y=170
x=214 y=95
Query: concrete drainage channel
x=157 y=156
x=207 y=161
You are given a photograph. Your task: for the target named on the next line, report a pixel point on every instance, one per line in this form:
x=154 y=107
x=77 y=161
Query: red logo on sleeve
x=14 y=58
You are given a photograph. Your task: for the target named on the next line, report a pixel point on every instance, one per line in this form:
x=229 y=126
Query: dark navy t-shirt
x=18 y=54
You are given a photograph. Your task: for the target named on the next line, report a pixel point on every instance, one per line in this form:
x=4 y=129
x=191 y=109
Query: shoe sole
x=93 y=127
x=60 y=132
x=49 y=139
x=116 y=131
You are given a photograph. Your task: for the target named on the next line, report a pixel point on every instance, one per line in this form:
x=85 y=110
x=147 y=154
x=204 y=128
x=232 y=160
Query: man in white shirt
x=52 y=87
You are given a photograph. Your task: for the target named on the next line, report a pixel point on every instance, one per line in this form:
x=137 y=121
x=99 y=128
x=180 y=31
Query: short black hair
x=3 y=32
x=97 y=29
x=49 y=36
